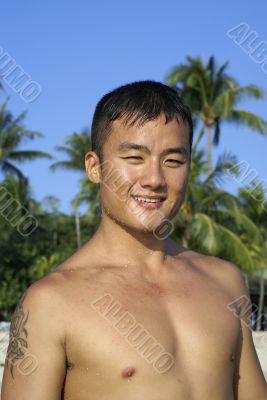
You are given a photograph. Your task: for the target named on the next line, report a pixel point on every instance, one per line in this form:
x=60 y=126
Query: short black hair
x=137 y=103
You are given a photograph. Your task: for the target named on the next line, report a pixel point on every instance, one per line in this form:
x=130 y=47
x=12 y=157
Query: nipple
x=232 y=357
x=70 y=365
x=128 y=372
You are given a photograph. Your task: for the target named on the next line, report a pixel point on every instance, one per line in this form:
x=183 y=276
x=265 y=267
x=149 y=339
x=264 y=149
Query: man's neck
x=123 y=245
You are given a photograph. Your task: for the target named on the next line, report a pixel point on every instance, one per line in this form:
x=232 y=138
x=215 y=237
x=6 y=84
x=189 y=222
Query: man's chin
x=140 y=228
x=161 y=228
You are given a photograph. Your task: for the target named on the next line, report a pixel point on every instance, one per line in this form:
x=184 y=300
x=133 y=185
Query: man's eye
x=133 y=157
x=175 y=161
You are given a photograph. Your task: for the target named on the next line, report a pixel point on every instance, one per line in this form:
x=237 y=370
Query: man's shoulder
x=61 y=283
x=43 y=290
x=41 y=310
x=46 y=293
x=225 y=272
x=195 y=256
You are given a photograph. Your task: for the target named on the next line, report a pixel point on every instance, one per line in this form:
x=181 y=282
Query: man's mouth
x=148 y=202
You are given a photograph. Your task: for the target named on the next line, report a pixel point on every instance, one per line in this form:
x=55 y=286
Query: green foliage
x=26 y=259
x=213 y=221
x=43 y=266
x=12 y=135
x=76 y=146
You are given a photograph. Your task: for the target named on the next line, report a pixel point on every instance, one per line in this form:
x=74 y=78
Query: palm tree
x=75 y=148
x=213 y=97
x=12 y=135
x=211 y=220
x=89 y=195
x=19 y=188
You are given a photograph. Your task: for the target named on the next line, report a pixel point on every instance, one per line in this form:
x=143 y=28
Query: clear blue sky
x=79 y=50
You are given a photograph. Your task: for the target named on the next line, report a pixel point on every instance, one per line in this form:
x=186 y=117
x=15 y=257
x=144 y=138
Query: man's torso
x=128 y=336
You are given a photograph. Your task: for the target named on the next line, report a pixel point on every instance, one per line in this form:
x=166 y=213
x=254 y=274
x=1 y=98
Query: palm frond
x=11 y=169
x=75 y=148
x=66 y=165
x=28 y=155
x=249 y=119
x=204 y=232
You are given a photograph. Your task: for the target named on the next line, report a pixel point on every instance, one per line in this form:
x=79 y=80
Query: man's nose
x=153 y=176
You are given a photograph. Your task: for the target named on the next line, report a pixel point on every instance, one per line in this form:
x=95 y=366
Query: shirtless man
x=133 y=315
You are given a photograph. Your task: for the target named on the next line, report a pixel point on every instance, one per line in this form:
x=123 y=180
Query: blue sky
x=77 y=51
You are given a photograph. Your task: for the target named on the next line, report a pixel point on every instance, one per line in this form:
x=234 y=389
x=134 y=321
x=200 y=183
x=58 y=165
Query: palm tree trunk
x=184 y=242
x=55 y=239
x=199 y=136
x=78 y=228
x=246 y=280
x=261 y=302
x=208 y=149
x=55 y=234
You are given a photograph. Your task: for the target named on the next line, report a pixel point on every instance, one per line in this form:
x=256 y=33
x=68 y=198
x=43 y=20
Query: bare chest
x=125 y=329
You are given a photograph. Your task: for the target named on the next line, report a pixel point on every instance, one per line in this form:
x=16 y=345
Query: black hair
x=137 y=103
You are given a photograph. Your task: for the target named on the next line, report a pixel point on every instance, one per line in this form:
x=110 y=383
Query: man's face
x=141 y=163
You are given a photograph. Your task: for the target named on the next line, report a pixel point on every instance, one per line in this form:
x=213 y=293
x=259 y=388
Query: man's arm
x=249 y=382
x=35 y=363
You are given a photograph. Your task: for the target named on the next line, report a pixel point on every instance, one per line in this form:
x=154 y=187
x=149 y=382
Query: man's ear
x=92 y=166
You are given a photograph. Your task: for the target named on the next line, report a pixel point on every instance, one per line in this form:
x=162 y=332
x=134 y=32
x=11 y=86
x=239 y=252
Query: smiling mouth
x=147 y=202
x=148 y=199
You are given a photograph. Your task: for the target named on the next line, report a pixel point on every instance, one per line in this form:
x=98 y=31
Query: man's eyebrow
x=124 y=146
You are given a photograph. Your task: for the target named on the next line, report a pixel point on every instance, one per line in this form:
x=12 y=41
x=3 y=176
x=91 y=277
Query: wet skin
x=185 y=311
x=84 y=351
x=81 y=321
